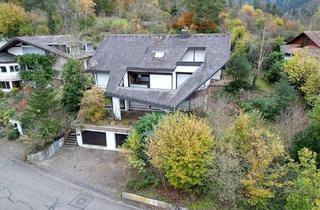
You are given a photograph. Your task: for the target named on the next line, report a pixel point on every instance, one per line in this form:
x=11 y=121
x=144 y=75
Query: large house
x=62 y=47
x=309 y=40
x=158 y=72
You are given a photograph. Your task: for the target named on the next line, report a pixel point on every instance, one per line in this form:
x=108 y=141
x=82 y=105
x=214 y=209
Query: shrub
x=13 y=133
x=138 y=139
x=92 y=108
x=257 y=149
x=310 y=137
x=272 y=105
x=304 y=193
x=274 y=66
x=180 y=149
x=303 y=70
x=1 y=94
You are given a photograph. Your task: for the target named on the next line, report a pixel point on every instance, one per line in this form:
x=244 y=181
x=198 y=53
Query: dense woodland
x=91 y=19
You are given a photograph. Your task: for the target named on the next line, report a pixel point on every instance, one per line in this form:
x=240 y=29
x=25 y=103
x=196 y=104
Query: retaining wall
x=47 y=153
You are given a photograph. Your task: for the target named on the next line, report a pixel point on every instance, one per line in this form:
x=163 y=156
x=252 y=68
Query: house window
x=194 y=55
x=16 y=84
x=5 y=85
x=3 y=69
x=159 y=54
x=14 y=68
x=139 y=80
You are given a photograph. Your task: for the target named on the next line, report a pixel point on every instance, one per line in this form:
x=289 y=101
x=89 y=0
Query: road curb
x=149 y=201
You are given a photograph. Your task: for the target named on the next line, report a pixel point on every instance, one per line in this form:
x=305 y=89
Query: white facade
x=160 y=81
x=9 y=74
x=101 y=80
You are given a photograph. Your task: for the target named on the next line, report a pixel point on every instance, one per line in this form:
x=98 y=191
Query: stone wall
x=47 y=153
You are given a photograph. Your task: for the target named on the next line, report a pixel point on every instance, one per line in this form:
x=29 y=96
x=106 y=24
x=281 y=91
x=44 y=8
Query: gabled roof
x=43 y=43
x=118 y=53
x=314 y=36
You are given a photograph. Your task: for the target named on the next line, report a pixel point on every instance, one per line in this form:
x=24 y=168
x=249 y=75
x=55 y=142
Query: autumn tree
x=182 y=159
x=205 y=12
x=304 y=193
x=12 y=19
x=304 y=71
x=92 y=106
x=258 y=148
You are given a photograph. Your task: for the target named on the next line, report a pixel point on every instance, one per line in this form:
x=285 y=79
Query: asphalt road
x=24 y=187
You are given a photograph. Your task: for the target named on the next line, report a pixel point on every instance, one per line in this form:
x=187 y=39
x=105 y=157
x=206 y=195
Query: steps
x=71 y=140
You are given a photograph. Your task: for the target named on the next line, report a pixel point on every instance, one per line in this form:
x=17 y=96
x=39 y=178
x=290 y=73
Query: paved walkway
x=25 y=187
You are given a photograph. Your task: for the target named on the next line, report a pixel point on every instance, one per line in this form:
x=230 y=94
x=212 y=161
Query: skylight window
x=159 y=54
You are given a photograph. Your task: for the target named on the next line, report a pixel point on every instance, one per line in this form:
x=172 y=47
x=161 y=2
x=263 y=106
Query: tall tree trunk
x=260 y=60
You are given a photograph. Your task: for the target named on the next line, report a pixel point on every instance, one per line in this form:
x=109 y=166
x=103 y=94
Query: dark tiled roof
x=43 y=43
x=118 y=53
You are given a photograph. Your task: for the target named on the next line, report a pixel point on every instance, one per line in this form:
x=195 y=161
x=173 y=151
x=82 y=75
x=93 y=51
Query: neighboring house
x=62 y=47
x=309 y=40
x=158 y=72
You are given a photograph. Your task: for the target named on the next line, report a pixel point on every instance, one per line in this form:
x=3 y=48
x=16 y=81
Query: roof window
x=159 y=54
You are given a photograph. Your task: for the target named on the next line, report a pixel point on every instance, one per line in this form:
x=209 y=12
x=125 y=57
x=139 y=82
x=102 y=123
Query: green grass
x=204 y=204
x=120 y=22
x=263 y=85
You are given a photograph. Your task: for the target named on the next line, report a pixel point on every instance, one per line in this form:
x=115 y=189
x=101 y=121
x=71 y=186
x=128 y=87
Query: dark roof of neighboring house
x=312 y=35
x=43 y=43
x=290 y=47
x=118 y=53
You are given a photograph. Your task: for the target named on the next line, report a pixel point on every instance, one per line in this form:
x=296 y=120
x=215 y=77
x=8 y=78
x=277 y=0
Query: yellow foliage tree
x=258 y=149
x=180 y=149
x=92 y=107
x=303 y=70
x=12 y=18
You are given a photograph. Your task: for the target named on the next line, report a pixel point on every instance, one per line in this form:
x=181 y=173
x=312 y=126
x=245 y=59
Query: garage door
x=94 y=138
x=120 y=139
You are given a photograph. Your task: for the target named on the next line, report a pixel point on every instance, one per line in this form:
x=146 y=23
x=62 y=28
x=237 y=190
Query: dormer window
x=194 y=54
x=159 y=54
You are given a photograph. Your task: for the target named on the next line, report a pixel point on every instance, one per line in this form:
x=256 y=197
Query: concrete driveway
x=25 y=187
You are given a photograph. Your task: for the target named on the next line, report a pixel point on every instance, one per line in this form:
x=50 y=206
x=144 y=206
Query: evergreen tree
x=74 y=85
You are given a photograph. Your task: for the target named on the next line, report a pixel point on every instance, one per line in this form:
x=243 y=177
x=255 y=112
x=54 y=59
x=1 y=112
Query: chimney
x=184 y=33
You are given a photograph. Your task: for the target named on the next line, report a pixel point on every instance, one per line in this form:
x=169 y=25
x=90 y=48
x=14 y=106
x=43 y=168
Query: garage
x=94 y=138
x=120 y=139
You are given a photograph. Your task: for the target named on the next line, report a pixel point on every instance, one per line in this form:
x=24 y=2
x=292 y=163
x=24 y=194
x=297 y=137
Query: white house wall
x=102 y=80
x=158 y=81
x=186 y=69
x=217 y=76
x=110 y=139
x=32 y=50
x=15 y=50
x=181 y=78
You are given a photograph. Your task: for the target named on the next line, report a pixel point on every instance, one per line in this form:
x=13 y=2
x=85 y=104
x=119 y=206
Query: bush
x=138 y=139
x=274 y=66
x=13 y=133
x=257 y=150
x=304 y=192
x=272 y=105
x=310 y=137
x=180 y=149
x=92 y=106
x=1 y=94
